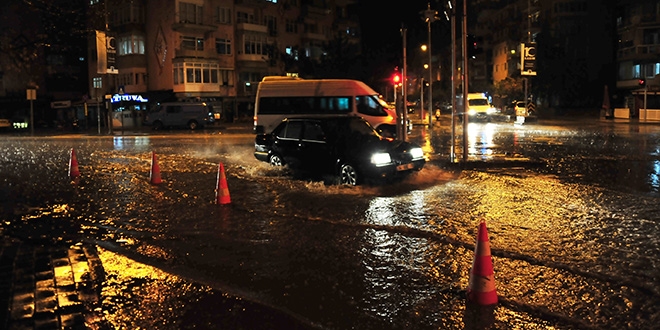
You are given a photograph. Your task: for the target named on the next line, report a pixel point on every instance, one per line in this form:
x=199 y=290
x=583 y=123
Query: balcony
x=255 y=58
x=189 y=27
x=313 y=11
x=252 y=27
x=639 y=52
x=314 y=36
x=189 y=53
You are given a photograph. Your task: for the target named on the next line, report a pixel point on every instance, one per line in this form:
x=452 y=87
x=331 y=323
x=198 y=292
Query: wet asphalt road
x=570 y=205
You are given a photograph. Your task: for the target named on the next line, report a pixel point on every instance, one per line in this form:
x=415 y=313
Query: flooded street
x=571 y=208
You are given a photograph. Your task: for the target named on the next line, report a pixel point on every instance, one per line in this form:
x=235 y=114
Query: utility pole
x=466 y=77
x=452 y=13
x=404 y=87
x=429 y=16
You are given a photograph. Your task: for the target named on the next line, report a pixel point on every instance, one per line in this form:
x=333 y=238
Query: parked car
x=347 y=148
x=5 y=123
x=520 y=109
x=180 y=114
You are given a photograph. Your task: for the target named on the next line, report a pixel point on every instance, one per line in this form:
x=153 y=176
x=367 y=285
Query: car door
x=286 y=142
x=313 y=149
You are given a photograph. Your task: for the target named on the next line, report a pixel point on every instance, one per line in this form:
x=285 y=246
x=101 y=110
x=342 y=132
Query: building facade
x=215 y=51
x=638 y=55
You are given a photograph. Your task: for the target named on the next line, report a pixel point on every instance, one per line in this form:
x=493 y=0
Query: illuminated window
x=197 y=73
x=133 y=44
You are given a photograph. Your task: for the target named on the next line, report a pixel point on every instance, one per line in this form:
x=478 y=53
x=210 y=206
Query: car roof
x=324 y=118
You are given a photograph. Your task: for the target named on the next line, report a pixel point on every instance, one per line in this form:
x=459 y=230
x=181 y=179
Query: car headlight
x=472 y=112
x=381 y=159
x=416 y=153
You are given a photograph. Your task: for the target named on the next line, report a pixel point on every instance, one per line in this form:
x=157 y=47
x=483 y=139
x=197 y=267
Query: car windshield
x=478 y=102
x=362 y=127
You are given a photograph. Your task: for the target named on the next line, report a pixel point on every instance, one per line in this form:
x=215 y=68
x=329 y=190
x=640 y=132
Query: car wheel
x=192 y=125
x=348 y=175
x=158 y=125
x=276 y=160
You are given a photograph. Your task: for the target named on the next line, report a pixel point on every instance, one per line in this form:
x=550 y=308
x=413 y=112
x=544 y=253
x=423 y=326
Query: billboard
x=528 y=59
x=106 y=52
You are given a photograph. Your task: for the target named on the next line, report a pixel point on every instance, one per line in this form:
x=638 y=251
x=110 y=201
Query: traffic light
x=474 y=46
x=396 y=79
x=641 y=82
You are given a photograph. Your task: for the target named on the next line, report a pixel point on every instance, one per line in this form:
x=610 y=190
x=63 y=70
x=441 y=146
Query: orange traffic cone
x=481 y=288
x=73 y=165
x=221 y=189
x=154 y=175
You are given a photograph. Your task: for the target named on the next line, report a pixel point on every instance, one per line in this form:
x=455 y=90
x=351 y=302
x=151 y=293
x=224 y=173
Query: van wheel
x=348 y=175
x=193 y=125
x=276 y=160
x=158 y=125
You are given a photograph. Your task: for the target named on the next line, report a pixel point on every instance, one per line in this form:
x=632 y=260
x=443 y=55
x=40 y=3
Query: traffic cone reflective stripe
x=481 y=289
x=154 y=175
x=73 y=165
x=221 y=189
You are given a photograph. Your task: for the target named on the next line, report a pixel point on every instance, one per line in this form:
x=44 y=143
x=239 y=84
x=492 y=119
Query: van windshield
x=478 y=102
x=370 y=105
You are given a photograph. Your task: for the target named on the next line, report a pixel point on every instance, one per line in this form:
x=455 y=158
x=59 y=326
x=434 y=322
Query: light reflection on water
x=139 y=143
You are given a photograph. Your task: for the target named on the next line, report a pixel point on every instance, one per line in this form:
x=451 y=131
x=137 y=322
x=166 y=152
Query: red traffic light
x=396 y=79
x=641 y=82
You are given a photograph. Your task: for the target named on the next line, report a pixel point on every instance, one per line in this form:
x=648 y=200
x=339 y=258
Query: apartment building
x=210 y=50
x=638 y=55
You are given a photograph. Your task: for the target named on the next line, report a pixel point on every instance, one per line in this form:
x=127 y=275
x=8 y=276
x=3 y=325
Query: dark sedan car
x=348 y=147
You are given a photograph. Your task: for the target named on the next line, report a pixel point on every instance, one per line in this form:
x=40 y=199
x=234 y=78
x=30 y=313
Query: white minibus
x=280 y=97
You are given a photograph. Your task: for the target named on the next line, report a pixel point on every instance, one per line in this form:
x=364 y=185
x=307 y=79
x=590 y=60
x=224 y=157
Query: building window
x=127 y=14
x=190 y=13
x=192 y=43
x=196 y=73
x=223 y=46
x=291 y=26
x=97 y=82
x=130 y=45
x=227 y=77
x=271 y=23
x=255 y=45
x=222 y=15
x=293 y=52
x=243 y=17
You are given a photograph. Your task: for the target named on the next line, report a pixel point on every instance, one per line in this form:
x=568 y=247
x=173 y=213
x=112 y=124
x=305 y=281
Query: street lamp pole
x=466 y=78
x=452 y=154
x=430 y=17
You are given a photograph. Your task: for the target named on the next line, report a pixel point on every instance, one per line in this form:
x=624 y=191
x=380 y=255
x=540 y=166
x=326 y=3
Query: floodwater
x=571 y=210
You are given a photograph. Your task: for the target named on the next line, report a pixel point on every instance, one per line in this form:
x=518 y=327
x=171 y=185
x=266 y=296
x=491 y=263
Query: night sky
x=381 y=24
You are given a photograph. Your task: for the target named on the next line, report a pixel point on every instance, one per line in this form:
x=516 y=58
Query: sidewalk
x=48 y=287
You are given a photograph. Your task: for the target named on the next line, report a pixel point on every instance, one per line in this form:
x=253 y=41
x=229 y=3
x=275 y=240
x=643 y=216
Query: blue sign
x=128 y=98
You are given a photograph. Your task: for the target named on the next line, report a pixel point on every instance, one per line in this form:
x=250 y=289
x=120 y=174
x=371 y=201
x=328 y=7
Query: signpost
x=31 y=95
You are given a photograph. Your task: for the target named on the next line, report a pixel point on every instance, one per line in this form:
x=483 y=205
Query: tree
x=40 y=33
x=509 y=89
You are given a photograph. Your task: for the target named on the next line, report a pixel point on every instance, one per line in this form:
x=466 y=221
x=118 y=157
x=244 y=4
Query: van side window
x=305 y=105
x=367 y=105
x=174 y=109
